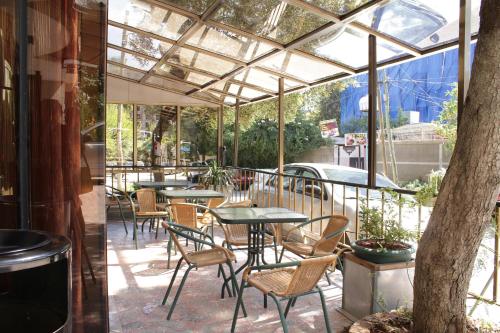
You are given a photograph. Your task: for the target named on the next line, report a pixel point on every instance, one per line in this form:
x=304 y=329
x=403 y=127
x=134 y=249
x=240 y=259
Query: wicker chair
x=205 y=219
x=216 y=255
x=148 y=208
x=236 y=235
x=288 y=283
x=326 y=245
x=117 y=198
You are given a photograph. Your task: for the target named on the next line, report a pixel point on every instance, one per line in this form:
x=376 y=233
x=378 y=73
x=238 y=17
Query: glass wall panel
x=129 y=59
x=119 y=134
x=300 y=66
x=349 y=46
x=273 y=19
x=137 y=42
x=229 y=44
x=198 y=135
x=156 y=135
x=422 y=23
x=201 y=61
x=8 y=121
x=125 y=72
x=148 y=17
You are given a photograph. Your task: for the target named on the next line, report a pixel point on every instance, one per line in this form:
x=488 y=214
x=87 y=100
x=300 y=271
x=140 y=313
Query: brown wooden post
x=178 y=137
x=464 y=39
x=372 y=110
x=236 y=139
x=281 y=146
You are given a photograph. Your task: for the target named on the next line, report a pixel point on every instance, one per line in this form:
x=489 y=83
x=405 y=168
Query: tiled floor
x=138 y=280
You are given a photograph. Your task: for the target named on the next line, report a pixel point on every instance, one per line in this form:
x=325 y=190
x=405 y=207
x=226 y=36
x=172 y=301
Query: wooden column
x=464 y=39
x=281 y=138
x=236 y=139
x=372 y=110
x=178 y=137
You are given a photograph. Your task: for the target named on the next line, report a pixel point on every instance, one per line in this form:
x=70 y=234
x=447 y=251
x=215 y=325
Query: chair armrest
x=306 y=223
x=267 y=267
x=174 y=225
x=187 y=204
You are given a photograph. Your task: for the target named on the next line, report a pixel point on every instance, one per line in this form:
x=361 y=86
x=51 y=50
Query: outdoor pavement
x=138 y=279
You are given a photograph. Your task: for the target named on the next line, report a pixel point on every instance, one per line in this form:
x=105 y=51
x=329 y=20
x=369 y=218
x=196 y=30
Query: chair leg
x=281 y=255
x=325 y=310
x=235 y=287
x=169 y=251
x=288 y=304
x=238 y=303
x=275 y=250
x=282 y=315
x=224 y=285
x=178 y=293
x=123 y=217
x=328 y=278
x=172 y=281
x=265 y=301
x=157 y=227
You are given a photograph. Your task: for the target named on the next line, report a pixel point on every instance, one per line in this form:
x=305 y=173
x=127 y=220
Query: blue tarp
x=419 y=85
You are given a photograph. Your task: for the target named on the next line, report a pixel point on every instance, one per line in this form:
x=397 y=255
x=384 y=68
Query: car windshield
x=356 y=177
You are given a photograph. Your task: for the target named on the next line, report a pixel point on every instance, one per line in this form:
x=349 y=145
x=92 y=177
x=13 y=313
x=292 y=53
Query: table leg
x=263 y=235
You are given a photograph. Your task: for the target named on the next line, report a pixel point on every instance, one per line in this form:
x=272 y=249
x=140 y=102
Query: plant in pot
x=382 y=238
x=218 y=179
x=427 y=194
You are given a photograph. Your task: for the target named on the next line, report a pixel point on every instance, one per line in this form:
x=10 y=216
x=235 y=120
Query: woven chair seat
x=275 y=280
x=209 y=257
x=304 y=249
x=159 y=213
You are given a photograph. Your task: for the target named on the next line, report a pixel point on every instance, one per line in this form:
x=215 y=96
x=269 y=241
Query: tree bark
x=463 y=209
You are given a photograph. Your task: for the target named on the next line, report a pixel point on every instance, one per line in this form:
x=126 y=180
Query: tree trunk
x=462 y=213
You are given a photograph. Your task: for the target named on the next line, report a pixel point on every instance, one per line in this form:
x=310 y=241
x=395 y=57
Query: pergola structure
x=233 y=52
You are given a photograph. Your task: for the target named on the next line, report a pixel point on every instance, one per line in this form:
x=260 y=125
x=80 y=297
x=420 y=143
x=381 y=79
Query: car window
x=287 y=181
x=310 y=187
x=356 y=177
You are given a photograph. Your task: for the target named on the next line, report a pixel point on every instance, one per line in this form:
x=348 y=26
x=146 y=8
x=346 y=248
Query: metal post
x=496 y=255
x=134 y=133
x=220 y=131
x=178 y=137
x=236 y=139
x=281 y=138
x=23 y=119
x=464 y=39
x=372 y=110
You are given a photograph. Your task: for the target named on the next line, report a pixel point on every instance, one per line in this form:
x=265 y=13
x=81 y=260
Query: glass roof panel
x=125 y=72
x=421 y=23
x=264 y=79
x=129 y=59
x=273 y=19
x=338 y=7
x=194 y=6
x=159 y=82
x=182 y=74
x=206 y=95
x=251 y=93
x=137 y=42
x=300 y=66
x=201 y=61
x=350 y=47
x=230 y=100
x=229 y=44
x=148 y=17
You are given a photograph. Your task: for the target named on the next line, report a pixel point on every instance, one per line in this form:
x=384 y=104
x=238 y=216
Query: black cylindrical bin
x=35 y=282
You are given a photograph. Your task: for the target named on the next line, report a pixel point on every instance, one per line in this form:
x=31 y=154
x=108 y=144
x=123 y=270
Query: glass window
x=125 y=72
x=229 y=44
x=422 y=23
x=156 y=134
x=137 y=42
x=273 y=19
x=198 y=135
x=169 y=84
x=201 y=61
x=148 y=17
x=119 y=134
x=130 y=59
x=338 y=7
x=183 y=74
x=194 y=6
x=349 y=46
x=300 y=66
x=264 y=79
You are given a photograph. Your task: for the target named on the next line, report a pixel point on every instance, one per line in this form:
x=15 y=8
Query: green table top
x=191 y=194
x=164 y=184
x=257 y=215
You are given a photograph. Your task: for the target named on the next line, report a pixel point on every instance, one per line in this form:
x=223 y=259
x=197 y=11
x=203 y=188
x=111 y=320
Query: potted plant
x=427 y=193
x=218 y=179
x=382 y=238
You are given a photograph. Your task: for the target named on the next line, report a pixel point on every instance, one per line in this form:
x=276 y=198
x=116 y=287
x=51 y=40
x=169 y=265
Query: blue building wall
x=418 y=85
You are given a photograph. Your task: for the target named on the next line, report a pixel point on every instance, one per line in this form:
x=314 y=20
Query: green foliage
x=217 y=177
x=430 y=189
x=113 y=128
x=447 y=122
x=383 y=225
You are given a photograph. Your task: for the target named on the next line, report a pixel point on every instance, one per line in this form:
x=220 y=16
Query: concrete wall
x=414 y=159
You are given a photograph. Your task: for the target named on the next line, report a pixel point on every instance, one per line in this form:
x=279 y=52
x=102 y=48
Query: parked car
x=314 y=198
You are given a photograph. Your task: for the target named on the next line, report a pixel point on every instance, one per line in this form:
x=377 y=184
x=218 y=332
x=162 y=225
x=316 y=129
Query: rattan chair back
x=146 y=198
x=308 y=273
x=329 y=244
x=184 y=214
